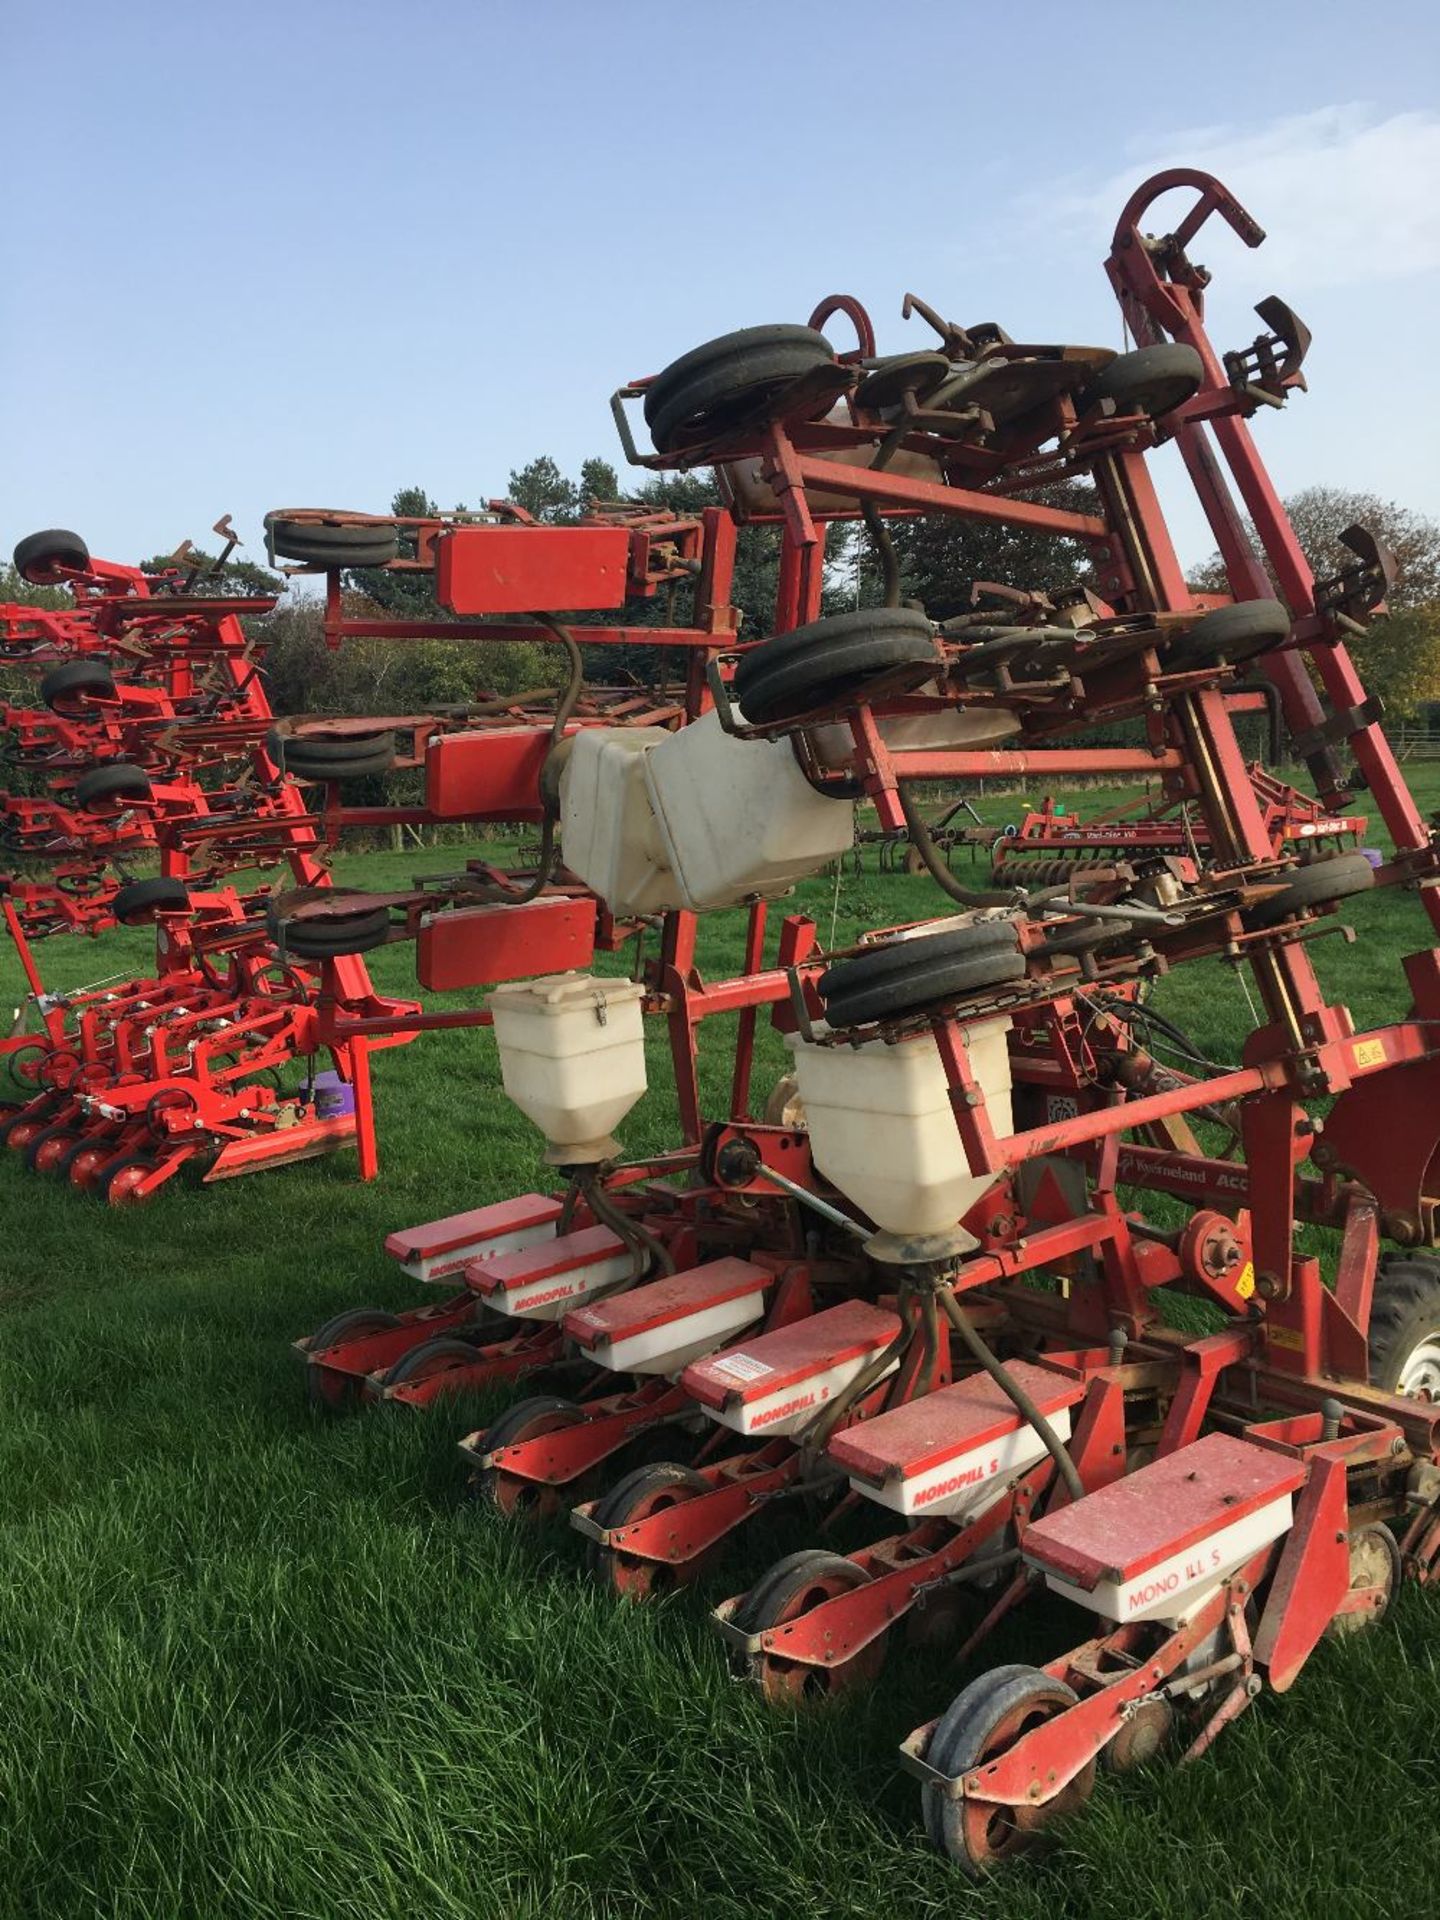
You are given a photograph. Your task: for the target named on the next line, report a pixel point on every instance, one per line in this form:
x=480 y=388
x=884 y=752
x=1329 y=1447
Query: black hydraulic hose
x=819 y=1431
x=884 y=552
x=930 y=1321
x=1011 y=1387
x=935 y=865
x=564 y=707
x=637 y=1237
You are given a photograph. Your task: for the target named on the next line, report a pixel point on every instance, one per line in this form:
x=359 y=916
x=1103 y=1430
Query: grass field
x=259 y=1663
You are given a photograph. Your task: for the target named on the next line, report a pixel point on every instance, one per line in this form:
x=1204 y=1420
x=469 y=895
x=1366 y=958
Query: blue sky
x=276 y=255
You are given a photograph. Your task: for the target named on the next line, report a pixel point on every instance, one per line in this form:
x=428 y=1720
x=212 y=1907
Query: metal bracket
x=1340 y=726
x=1357 y=590
x=1258 y=372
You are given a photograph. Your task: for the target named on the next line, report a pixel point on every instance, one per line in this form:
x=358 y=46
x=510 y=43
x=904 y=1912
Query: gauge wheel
x=737 y=384
x=1235 y=634
x=141 y=900
x=333 y=543
x=355 y=757
x=1322 y=883
x=43 y=558
x=792 y=1587
x=645 y=1491
x=1151 y=380
x=508 y=1493
x=981 y=1723
x=905 y=976
x=76 y=681
x=829 y=664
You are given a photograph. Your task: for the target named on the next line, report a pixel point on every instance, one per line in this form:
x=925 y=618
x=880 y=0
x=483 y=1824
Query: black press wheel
x=334 y=938
x=70 y=685
x=1323 y=883
x=1405 y=1325
x=354 y=757
x=1152 y=380
x=981 y=1723
x=331 y=1391
x=829 y=663
x=334 y=543
x=1235 y=634
x=644 y=1491
x=904 y=976
x=791 y=1588
x=440 y=1355
x=528 y=1419
x=42 y=558
x=141 y=900
x=105 y=787
x=735 y=384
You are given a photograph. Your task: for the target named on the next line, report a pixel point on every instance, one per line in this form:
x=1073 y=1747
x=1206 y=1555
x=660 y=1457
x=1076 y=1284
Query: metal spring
x=1023 y=870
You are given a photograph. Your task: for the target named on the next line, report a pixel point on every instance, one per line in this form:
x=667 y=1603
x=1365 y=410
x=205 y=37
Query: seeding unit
x=919 y=1280
x=842 y=1295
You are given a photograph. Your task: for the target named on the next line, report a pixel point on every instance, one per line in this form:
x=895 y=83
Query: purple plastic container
x=334 y=1096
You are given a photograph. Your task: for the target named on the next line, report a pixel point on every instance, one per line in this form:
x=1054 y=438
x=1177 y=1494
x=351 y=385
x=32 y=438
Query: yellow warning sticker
x=1245 y=1285
x=1369 y=1053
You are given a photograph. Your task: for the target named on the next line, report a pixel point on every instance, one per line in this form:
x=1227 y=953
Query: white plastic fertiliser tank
x=572 y=1055
x=652 y=820
x=883 y=1131
x=738 y=818
x=608 y=834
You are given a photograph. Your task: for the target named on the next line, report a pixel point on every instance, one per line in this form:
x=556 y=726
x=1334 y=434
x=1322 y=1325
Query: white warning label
x=739 y=1366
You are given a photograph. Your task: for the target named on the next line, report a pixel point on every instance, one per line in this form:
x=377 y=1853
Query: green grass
x=260 y=1663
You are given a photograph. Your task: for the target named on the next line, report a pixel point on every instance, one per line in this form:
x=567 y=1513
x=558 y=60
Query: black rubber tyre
x=514 y=1420
x=904 y=976
x=772 y=1593
x=961 y=1740
x=322 y=543
x=143 y=899
x=352 y=1324
x=732 y=384
x=75 y=682
x=540 y=1413
x=39 y=555
x=1235 y=633
x=331 y=1392
x=422 y=1360
x=1152 y=380
x=348 y=933
x=644 y=1491
x=1321 y=884
x=101 y=786
x=355 y=758
x=619 y=1503
x=826 y=664
x=1404 y=1319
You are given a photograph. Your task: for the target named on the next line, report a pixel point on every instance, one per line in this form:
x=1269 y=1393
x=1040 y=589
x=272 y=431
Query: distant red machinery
x=146 y=689
x=1052 y=841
